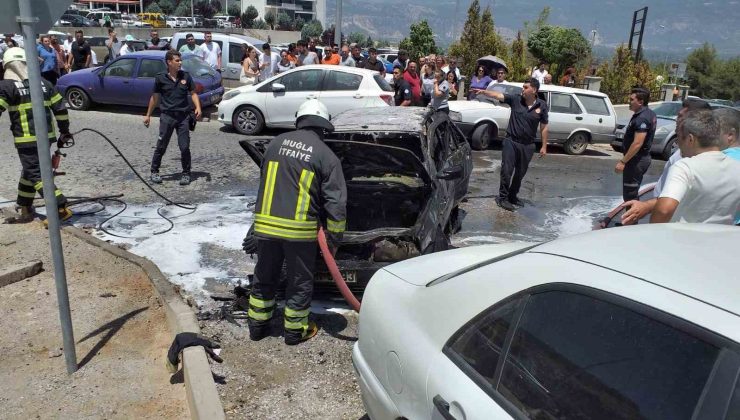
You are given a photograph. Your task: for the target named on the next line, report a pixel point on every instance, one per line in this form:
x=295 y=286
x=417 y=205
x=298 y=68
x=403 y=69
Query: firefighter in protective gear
x=15 y=97
x=301 y=186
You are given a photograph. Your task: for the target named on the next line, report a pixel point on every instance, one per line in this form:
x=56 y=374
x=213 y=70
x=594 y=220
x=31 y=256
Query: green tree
x=271 y=19
x=234 y=10
x=167 y=6
x=153 y=8
x=420 y=41
x=284 y=22
x=383 y=43
x=217 y=7
x=724 y=83
x=518 y=70
x=183 y=9
x=298 y=23
x=466 y=49
x=541 y=21
x=618 y=76
x=248 y=17
x=312 y=29
x=701 y=67
x=369 y=42
x=563 y=47
x=205 y=9
x=357 y=38
x=260 y=24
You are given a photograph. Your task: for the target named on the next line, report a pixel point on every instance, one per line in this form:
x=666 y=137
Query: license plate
x=349 y=277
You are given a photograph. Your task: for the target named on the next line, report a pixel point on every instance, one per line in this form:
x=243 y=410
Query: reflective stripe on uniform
x=259 y=316
x=285 y=223
x=25 y=182
x=31 y=139
x=304 y=196
x=62 y=117
x=26 y=194
x=292 y=313
x=38 y=186
x=336 y=227
x=296 y=320
x=267 y=194
x=284 y=233
x=259 y=303
x=260 y=309
x=4 y=104
x=54 y=99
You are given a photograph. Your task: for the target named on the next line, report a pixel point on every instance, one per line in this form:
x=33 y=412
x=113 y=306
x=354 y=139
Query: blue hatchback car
x=129 y=80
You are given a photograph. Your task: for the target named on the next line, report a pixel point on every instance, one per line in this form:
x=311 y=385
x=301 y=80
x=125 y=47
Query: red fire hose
x=335 y=274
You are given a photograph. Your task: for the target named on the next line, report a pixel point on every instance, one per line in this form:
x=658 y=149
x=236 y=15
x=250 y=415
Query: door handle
x=600 y=120
x=357 y=96
x=443 y=407
x=579 y=118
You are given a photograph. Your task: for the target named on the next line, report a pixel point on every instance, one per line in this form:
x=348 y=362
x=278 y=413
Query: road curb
x=18 y=272
x=203 y=399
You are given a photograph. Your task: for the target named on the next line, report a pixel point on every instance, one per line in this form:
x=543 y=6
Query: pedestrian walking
x=527 y=112
x=480 y=81
x=48 y=60
x=704 y=186
x=638 y=139
x=211 y=51
x=402 y=88
x=172 y=89
x=80 y=55
x=301 y=179
x=15 y=97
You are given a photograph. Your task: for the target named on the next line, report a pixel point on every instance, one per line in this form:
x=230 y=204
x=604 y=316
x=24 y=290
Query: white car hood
x=421 y=270
x=469 y=105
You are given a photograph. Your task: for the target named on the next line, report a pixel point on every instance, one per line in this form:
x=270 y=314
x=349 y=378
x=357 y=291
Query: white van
x=231 y=50
x=99 y=16
x=226 y=21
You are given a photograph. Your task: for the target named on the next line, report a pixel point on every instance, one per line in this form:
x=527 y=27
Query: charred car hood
x=377 y=162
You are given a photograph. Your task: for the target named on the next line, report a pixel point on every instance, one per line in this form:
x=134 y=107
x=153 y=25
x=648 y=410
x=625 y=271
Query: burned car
x=407 y=170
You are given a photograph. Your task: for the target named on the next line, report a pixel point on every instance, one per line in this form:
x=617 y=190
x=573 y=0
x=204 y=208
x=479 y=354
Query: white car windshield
x=197 y=67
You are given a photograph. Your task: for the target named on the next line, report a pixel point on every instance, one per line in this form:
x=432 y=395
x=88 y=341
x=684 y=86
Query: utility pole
x=338 y=25
x=192 y=11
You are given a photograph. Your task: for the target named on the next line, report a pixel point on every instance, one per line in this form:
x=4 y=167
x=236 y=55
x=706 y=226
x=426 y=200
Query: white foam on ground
x=579 y=215
x=177 y=253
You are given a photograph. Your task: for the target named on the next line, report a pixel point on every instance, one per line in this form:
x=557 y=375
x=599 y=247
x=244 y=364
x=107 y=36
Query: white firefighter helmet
x=14 y=54
x=313 y=113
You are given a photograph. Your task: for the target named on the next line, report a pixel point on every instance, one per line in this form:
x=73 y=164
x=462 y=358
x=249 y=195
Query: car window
x=480 y=344
x=384 y=85
x=593 y=104
x=123 y=67
x=574 y=356
x=339 y=80
x=667 y=109
x=235 y=54
x=300 y=81
x=563 y=103
x=150 y=68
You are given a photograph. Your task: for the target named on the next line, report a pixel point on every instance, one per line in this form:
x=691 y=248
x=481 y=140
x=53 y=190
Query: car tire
x=248 y=120
x=481 y=137
x=77 y=99
x=670 y=149
x=576 y=144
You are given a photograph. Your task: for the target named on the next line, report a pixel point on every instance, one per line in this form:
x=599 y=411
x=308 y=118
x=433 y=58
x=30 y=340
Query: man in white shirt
x=212 y=51
x=540 y=73
x=452 y=67
x=704 y=186
x=268 y=62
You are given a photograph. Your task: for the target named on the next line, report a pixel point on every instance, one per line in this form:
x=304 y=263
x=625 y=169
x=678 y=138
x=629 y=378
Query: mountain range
x=672 y=27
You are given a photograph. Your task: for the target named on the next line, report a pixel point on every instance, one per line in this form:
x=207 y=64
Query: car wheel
x=576 y=144
x=670 y=149
x=248 y=120
x=481 y=137
x=77 y=99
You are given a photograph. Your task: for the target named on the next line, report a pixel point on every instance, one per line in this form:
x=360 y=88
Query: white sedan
x=274 y=102
x=626 y=323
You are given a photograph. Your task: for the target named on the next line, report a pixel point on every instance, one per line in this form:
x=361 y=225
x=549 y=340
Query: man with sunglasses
x=173 y=86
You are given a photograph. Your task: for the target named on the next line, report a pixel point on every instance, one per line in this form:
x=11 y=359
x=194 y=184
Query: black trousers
x=50 y=76
x=30 y=181
x=634 y=170
x=300 y=261
x=515 y=159
x=168 y=123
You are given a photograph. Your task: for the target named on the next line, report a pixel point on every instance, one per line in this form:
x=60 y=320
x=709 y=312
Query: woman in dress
x=250 y=67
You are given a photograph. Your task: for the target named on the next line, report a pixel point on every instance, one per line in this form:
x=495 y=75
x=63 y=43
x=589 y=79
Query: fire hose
x=335 y=274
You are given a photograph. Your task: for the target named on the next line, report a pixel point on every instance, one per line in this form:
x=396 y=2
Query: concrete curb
x=203 y=399
x=18 y=272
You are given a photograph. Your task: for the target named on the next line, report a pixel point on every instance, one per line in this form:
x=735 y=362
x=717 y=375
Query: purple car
x=129 y=80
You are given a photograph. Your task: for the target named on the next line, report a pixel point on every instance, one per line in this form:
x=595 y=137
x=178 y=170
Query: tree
x=248 y=17
x=167 y=6
x=539 y=23
x=491 y=41
x=618 y=76
x=298 y=23
x=260 y=24
x=701 y=66
x=154 y=8
x=563 y=47
x=205 y=9
x=724 y=83
x=312 y=29
x=383 y=43
x=183 y=9
x=271 y=19
x=420 y=41
x=369 y=42
x=518 y=68
x=467 y=48
x=217 y=6
x=357 y=38
x=234 y=10
x=284 y=22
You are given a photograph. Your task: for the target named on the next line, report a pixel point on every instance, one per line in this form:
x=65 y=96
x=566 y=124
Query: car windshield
x=197 y=67
x=667 y=109
x=382 y=83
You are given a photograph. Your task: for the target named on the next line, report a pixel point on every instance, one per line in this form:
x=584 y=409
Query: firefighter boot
x=25 y=215
x=64 y=215
x=292 y=338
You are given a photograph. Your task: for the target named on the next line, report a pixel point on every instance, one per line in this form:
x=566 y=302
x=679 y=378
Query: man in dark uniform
x=372 y=62
x=527 y=112
x=638 y=139
x=15 y=97
x=402 y=87
x=174 y=86
x=301 y=187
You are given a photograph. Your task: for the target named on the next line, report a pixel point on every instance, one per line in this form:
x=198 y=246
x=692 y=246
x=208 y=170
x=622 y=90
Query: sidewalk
x=120 y=329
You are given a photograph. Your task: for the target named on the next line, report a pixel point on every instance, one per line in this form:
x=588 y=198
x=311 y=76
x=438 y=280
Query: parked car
x=578 y=117
x=231 y=49
x=274 y=102
x=62 y=22
x=171 y=22
x=129 y=80
x=407 y=170
x=184 y=22
x=387 y=64
x=389 y=57
x=156 y=20
x=593 y=326
x=99 y=17
x=665 y=138
x=79 y=21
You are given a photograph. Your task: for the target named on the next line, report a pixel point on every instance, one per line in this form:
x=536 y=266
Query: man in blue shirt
x=48 y=59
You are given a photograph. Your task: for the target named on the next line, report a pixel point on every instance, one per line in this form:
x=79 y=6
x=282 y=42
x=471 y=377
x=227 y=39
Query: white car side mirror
x=278 y=87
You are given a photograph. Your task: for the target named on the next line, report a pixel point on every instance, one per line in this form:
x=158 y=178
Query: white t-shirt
x=211 y=53
x=539 y=75
x=272 y=59
x=707 y=188
x=675 y=157
x=446 y=69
